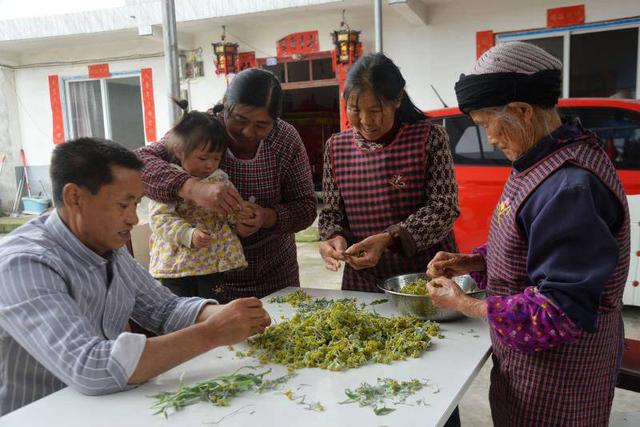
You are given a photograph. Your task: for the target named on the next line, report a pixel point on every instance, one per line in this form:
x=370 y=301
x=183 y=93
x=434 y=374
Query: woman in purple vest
x=268 y=164
x=557 y=256
x=390 y=192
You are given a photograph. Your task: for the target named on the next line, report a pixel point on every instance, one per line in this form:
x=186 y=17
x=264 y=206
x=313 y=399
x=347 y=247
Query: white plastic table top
x=450 y=365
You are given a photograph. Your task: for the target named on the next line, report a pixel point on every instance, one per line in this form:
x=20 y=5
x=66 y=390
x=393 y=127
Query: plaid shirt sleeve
x=332 y=219
x=480 y=276
x=161 y=180
x=298 y=208
x=431 y=223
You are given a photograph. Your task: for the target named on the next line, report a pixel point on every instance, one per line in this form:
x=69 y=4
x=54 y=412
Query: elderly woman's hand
x=448 y=264
x=445 y=293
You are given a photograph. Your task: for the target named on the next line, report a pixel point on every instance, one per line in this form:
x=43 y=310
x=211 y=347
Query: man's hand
x=234 y=322
x=200 y=239
x=331 y=252
x=216 y=325
x=367 y=253
x=218 y=197
x=448 y=264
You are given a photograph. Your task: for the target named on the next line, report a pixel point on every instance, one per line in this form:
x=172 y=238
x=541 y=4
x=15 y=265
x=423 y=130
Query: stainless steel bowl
x=420 y=306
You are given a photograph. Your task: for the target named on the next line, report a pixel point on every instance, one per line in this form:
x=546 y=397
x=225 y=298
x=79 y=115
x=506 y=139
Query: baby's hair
x=196 y=130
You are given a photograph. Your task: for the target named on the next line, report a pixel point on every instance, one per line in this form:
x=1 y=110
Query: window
x=619 y=132
x=600 y=59
x=553 y=45
x=313 y=71
x=298 y=71
x=322 y=69
x=277 y=70
x=614 y=77
x=469 y=143
x=106 y=108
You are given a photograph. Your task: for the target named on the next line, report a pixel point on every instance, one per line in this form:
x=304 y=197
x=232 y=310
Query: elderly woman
x=557 y=255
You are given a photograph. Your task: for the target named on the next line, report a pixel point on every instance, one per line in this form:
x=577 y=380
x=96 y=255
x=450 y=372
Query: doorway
x=311 y=102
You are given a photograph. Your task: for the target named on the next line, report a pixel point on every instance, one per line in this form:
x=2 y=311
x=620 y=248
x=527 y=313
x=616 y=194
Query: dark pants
x=207 y=286
x=454 y=419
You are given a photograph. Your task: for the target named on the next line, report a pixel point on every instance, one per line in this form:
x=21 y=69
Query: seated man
x=68 y=288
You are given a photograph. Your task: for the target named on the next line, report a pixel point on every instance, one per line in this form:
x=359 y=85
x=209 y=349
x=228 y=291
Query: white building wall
x=427 y=54
x=262 y=39
x=35 y=115
x=10 y=140
x=447 y=46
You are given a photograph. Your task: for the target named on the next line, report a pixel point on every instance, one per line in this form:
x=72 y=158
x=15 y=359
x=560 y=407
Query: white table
x=450 y=365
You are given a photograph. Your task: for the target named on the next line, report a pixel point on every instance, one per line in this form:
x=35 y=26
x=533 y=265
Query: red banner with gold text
x=565 y=16
x=484 y=42
x=56 y=109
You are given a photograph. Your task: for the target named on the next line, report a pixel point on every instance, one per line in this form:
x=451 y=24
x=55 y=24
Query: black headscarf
x=477 y=91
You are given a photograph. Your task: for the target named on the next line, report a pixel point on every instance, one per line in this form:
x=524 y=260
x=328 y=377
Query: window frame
x=303 y=84
x=66 y=81
x=566 y=33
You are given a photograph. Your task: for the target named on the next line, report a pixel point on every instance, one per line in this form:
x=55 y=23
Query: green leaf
x=351 y=395
x=383 y=411
x=217 y=391
x=339 y=335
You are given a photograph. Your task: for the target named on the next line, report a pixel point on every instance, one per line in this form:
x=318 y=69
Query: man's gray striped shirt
x=61 y=321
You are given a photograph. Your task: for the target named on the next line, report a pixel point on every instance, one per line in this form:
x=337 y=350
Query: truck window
x=618 y=130
x=469 y=144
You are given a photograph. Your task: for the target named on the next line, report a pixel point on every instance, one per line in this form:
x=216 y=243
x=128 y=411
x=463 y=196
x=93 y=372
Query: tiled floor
x=474 y=407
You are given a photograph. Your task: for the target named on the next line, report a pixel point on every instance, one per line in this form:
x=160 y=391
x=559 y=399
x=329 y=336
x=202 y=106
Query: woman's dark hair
x=378 y=73
x=255 y=87
x=88 y=162
x=196 y=129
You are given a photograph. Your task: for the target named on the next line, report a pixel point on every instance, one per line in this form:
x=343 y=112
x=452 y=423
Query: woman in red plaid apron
x=268 y=164
x=557 y=256
x=390 y=193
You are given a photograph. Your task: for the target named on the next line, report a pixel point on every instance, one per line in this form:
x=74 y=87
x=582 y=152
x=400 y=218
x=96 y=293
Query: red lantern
x=226 y=55
x=347 y=42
